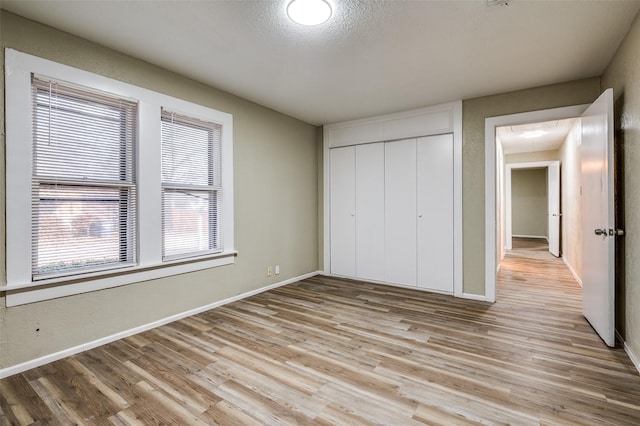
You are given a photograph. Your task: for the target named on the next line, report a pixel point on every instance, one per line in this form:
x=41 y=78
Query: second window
x=191 y=190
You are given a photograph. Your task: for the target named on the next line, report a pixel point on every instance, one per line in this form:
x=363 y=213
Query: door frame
x=490 y=167
x=507 y=190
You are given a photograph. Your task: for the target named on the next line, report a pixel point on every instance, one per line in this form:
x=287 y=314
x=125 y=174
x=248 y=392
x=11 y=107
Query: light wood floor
x=332 y=351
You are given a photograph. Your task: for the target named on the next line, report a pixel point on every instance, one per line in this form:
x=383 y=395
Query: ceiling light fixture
x=533 y=134
x=309 y=12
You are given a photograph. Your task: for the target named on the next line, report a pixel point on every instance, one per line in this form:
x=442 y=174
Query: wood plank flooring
x=333 y=351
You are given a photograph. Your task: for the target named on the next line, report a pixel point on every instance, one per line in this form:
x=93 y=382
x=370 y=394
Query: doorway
x=532 y=207
x=594 y=144
x=528 y=198
x=495 y=160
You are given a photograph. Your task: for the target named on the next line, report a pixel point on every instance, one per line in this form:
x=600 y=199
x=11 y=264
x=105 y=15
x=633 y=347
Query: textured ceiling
x=372 y=57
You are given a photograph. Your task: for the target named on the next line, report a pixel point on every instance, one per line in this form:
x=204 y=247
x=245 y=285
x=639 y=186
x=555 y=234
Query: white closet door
x=343 y=210
x=435 y=212
x=400 y=212
x=370 y=211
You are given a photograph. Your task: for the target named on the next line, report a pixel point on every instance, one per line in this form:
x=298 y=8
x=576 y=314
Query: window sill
x=24 y=293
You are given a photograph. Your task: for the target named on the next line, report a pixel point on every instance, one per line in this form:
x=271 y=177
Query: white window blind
x=191 y=186
x=83 y=183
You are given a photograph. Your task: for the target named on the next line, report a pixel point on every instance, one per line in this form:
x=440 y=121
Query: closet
x=392 y=199
x=392 y=212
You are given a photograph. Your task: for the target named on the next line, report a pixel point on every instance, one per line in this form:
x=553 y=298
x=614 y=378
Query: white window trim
x=20 y=289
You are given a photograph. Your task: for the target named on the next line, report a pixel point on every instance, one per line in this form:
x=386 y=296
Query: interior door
x=598 y=227
x=553 y=192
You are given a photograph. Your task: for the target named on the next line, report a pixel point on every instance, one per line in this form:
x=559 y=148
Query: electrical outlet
x=276 y=270
x=269 y=271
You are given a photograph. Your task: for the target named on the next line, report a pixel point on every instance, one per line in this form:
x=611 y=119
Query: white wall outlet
x=277 y=269
x=269 y=271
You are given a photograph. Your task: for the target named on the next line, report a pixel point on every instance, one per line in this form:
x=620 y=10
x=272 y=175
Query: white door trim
x=554 y=212
x=490 y=125
x=507 y=191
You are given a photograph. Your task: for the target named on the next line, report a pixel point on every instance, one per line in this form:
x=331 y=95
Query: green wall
x=529 y=202
x=623 y=75
x=276 y=208
x=528 y=157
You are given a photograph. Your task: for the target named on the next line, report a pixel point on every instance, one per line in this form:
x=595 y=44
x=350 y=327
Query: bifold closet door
x=400 y=212
x=392 y=212
x=370 y=211
x=435 y=212
x=343 y=211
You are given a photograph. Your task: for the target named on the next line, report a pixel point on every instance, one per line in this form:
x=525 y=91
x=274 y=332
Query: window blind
x=191 y=187
x=83 y=183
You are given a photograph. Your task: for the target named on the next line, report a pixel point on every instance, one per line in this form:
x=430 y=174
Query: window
x=190 y=186
x=83 y=186
x=109 y=184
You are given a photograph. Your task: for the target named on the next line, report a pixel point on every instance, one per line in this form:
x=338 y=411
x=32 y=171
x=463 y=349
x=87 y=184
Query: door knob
x=610 y=232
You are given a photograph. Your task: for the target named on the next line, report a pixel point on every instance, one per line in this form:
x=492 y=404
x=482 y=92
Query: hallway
x=541 y=289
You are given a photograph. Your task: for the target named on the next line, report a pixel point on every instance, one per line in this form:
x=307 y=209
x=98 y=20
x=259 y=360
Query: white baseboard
x=539 y=237
x=27 y=365
x=573 y=272
x=634 y=359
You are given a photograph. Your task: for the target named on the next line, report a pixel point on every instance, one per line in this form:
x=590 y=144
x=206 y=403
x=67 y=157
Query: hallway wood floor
x=334 y=351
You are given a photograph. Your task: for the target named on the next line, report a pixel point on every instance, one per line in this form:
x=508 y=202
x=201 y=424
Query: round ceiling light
x=309 y=12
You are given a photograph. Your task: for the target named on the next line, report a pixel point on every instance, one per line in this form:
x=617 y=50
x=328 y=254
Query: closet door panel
x=370 y=211
x=343 y=209
x=400 y=212
x=435 y=212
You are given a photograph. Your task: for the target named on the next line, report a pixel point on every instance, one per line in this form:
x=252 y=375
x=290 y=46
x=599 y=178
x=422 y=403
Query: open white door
x=553 y=193
x=598 y=227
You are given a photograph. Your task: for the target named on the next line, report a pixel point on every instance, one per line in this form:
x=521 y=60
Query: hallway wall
x=623 y=75
x=571 y=201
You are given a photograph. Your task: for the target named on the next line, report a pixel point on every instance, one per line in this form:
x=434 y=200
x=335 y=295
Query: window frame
x=20 y=287
x=125 y=184
x=212 y=187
